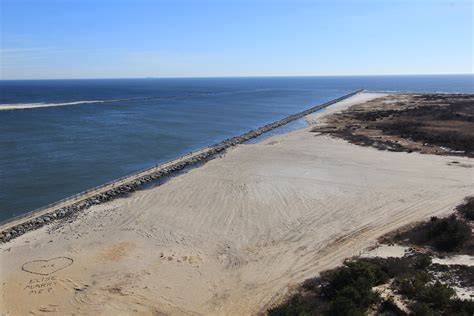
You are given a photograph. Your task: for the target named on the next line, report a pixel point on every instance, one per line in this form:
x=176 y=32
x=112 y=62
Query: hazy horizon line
x=250 y=76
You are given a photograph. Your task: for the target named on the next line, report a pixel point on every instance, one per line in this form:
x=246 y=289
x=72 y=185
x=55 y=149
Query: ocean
x=60 y=137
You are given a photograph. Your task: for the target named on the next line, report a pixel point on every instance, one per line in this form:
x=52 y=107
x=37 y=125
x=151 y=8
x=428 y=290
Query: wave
x=23 y=106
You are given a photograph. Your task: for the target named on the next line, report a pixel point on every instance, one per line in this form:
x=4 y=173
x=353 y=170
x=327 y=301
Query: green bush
x=455 y=306
x=467 y=208
x=444 y=234
x=396 y=267
x=447 y=234
x=350 y=288
x=390 y=308
x=346 y=290
x=421 y=262
x=359 y=274
x=417 y=287
x=413 y=284
x=343 y=306
x=438 y=294
x=293 y=307
x=460 y=307
x=422 y=309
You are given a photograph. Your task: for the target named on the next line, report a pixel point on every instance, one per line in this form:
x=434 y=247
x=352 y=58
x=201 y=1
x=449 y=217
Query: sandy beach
x=233 y=236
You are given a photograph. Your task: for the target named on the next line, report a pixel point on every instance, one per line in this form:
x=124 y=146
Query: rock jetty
x=155 y=173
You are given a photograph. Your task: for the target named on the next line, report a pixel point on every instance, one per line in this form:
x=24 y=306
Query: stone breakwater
x=33 y=220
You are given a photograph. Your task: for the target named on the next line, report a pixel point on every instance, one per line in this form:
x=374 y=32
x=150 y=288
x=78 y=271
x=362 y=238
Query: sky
x=54 y=39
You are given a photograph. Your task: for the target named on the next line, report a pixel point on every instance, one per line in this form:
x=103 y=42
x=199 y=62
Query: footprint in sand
x=195 y=260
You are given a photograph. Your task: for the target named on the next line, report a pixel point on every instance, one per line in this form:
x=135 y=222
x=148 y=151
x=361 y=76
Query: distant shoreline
x=245 y=77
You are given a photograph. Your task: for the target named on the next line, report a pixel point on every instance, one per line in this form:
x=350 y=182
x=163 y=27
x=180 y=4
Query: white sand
x=232 y=236
x=385 y=251
x=464 y=260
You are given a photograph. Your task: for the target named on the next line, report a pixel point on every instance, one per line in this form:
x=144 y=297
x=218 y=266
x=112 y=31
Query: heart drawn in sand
x=46 y=267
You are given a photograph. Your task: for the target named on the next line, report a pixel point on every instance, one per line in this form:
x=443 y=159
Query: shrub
x=293 y=307
x=350 y=288
x=393 y=266
x=422 y=309
x=417 y=286
x=359 y=274
x=447 y=234
x=421 y=262
x=461 y=307
x=343 y=306
x=438 y=294
x=413 y=284
x=467 y=208
x=346 y=290
x=389 y=308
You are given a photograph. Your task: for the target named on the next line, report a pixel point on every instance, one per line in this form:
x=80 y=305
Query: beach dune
x=233 y=236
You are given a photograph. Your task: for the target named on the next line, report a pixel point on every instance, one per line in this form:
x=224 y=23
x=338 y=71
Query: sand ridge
x=232 y=236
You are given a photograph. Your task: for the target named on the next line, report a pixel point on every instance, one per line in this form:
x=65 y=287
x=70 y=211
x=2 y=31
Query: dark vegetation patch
x=425 y=287
x=467 y=208
x=450 y=234
x=365 y=140
x=348 y=290
x=431 y=123
x=454 y=275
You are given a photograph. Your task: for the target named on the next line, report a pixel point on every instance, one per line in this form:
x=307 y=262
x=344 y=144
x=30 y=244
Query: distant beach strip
x=37 y=218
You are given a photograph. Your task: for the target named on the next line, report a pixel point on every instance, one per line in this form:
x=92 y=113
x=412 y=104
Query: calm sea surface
x=82 y=133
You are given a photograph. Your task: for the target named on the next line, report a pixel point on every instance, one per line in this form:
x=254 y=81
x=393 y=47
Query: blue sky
x=185 y=38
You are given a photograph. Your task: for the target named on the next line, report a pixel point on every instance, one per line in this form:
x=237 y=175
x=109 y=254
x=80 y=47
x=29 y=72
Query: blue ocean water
x=76 y=134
